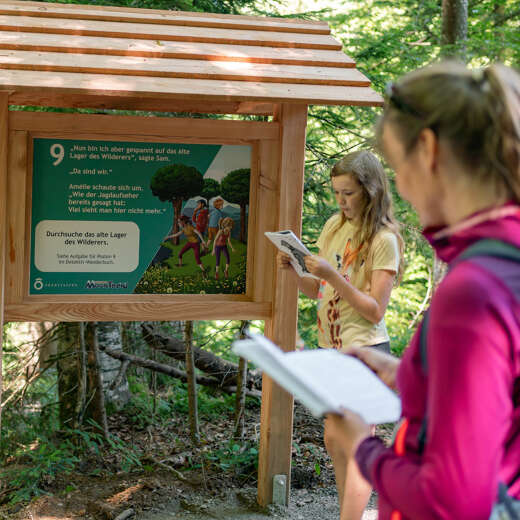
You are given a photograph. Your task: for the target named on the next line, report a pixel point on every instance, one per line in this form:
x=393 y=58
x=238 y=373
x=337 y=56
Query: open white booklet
x=289 y=243
x=324 y=380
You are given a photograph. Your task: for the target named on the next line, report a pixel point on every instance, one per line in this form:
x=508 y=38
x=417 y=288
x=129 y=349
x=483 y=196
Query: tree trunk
x=192 y=383
x=133 y=343
x=454 y=28
x=95 y=408
x=109 y=335
x=240 y=399
x=67 y=340
x=223 y=371
x=175 y=372
x=498 y=12
x=177 y=208
x=48 y=348
x=81 y=399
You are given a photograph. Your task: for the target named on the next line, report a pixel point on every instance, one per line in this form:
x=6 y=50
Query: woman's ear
x=428 y=150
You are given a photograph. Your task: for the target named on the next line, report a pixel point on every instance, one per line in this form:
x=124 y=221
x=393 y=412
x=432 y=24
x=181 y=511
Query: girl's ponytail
x=504 y=100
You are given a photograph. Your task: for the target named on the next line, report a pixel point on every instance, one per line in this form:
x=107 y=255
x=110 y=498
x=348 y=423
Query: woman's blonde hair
x=368 y=171
x=477 y=112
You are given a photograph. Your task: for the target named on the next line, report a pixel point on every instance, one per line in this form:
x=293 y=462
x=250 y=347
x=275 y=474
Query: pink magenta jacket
x=472 y=389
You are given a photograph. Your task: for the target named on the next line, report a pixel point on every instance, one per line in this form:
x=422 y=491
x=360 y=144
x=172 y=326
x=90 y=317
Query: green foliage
x=217 y=336
x=93 y=441
x=211 y=189
x=241 y=458
x=235 y=186
x=22 y=423
x=176 y=181
x=174 y=401
x=40 y=466
x=47 y=457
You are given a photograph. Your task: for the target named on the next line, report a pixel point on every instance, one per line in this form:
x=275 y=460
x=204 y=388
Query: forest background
x=52 y=421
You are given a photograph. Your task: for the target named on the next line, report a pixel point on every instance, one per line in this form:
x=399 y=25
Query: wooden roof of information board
x=59 y=54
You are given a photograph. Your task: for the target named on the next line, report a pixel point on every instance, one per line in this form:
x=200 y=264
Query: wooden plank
x=45 y=42
x=267 y=219
x=277 y=405
x=166 y=32
x=39 y=84
x=17 y=236
x=148 y=104
x=173 y=68
x=144 y=128
x=252 y=230
x=4 y=132
x=125 y=311
x=161 y=17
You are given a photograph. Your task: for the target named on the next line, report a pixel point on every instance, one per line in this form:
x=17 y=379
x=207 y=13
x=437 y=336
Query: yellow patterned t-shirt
x=339 y=324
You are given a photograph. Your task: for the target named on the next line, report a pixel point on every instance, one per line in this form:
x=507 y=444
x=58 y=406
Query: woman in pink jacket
x=453 y=138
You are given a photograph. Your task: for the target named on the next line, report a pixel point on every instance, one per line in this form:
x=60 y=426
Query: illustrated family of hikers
x=218 y=228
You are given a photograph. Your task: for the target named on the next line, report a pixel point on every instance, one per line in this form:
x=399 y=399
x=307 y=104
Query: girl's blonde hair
x=226 y=222
x=367 y=169
x=476 y=112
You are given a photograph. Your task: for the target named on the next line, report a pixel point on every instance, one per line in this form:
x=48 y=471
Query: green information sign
x=101 y=212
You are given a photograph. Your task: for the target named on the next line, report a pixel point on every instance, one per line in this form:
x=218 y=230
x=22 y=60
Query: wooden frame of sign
x=85 y=56
x=255 y=304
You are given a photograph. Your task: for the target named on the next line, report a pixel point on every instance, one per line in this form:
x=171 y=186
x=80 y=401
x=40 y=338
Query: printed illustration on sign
x=120 y=217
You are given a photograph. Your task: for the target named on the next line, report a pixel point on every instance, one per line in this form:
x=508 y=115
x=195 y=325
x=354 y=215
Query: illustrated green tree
x=235 y=188
x=211 y=189
x=176 y=183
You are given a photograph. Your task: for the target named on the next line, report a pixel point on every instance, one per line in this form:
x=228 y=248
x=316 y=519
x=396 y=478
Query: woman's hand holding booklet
x=324 y=380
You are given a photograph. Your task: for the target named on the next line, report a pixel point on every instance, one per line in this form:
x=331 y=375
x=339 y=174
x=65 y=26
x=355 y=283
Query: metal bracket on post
x=280 y=490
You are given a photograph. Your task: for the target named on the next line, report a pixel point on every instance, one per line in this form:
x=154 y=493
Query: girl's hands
x=283 y=260
x=319 y=267
x=347 y=431
x=384 y=365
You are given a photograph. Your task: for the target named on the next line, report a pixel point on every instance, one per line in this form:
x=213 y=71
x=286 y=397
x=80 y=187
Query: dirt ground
x=171 y=486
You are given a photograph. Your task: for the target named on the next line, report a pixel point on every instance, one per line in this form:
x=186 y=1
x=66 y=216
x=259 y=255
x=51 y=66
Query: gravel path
x=317 y=504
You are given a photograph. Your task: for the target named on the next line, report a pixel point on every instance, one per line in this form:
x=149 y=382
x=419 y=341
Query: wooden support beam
x=139 y=103
x=277 y=405
x=4 y=130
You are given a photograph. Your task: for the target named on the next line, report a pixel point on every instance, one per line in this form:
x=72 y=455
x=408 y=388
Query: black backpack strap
x=489 y=247
x=423 y=345
x=507 y=501
x=485 y=247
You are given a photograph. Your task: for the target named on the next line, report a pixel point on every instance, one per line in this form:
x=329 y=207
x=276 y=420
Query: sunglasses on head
x=394 y=98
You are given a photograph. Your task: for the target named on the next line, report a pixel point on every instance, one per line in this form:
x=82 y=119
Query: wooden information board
x=92 y=202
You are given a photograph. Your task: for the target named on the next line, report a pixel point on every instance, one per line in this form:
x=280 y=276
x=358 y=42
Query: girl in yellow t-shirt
x=359 y=261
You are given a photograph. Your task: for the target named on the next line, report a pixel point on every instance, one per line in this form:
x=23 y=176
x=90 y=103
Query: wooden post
x=277 y=405
x=4 y=138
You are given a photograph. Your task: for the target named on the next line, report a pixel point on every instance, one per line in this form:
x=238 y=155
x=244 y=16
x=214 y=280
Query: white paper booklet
x=289 y=243
x=324 y=380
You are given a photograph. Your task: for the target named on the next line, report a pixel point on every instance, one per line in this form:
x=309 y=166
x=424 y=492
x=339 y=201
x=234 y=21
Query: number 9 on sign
x=58 y=152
